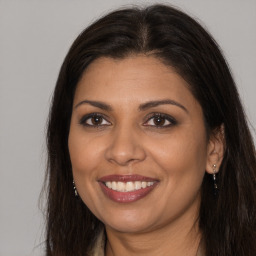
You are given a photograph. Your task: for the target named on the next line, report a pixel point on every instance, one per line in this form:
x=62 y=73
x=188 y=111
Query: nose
x=125 y=147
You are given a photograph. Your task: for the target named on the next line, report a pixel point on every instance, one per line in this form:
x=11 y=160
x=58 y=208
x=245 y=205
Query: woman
x=149 y=149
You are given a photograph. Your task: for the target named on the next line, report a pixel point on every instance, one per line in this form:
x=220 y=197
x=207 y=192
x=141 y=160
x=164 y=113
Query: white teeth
x=113 y=185
x=137 y=185
x=128 y=186
x=120 y=186
x=108 y=184
x=144 y=184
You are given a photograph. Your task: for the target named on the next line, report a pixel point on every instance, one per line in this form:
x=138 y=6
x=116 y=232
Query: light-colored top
x=100 y=247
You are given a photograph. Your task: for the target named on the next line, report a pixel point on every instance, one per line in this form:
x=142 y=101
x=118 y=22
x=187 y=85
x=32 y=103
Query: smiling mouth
x=126 y=188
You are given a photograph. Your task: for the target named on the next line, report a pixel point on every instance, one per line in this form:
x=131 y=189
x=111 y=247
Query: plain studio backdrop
x=34 y=39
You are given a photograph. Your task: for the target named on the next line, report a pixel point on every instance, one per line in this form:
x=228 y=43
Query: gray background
x=34 y=38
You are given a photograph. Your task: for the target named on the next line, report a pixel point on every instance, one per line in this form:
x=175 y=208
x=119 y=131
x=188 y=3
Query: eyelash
x=165 y=117
x=83 y=121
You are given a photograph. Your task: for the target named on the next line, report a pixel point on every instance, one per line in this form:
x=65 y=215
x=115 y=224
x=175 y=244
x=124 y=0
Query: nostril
x=123 y=152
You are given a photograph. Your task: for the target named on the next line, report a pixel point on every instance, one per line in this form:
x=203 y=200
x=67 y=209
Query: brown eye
x=159 y=121
x=94 y=120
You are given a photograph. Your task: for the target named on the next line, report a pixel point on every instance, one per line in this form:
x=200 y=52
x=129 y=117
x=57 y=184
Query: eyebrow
x=152 y=104
x=142 y=107
x=97 y=104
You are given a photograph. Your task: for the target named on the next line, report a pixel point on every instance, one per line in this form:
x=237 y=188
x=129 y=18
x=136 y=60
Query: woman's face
x=138 y=144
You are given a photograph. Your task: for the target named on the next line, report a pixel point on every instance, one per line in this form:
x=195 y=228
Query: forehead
x=136 y=77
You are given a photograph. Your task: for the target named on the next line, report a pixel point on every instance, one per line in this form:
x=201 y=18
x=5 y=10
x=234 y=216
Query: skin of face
x=127 y=141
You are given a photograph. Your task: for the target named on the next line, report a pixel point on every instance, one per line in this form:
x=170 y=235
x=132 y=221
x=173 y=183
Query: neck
x=176 y=239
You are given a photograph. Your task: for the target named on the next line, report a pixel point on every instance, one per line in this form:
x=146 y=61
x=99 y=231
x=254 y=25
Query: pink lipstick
x=126 y=188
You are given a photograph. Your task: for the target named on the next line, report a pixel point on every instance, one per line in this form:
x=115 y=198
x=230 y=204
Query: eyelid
x=86 y=117
x=172 y=121
x=169 y=118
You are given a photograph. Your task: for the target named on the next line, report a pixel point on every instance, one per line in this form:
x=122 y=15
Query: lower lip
x=126 y=197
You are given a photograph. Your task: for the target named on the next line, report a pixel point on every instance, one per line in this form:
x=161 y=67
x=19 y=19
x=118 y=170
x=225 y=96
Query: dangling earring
x=215 y=186
x=74 y=186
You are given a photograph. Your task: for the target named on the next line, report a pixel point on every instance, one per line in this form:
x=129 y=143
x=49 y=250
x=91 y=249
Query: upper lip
x=126 y=178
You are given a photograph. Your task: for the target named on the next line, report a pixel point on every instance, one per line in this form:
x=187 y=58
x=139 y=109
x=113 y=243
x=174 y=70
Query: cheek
x=83 y=167
x=182 y=157
x=84 y=157
x=183 y=163
x=84 y=151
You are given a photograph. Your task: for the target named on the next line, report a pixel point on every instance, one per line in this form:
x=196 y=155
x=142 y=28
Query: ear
x=215 y=150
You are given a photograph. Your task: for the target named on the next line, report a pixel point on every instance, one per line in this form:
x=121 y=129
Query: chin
x=128 y=227
x=129 y=222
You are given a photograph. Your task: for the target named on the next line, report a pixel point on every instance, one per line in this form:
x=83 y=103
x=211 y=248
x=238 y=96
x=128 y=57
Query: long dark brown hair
x=227 y=221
